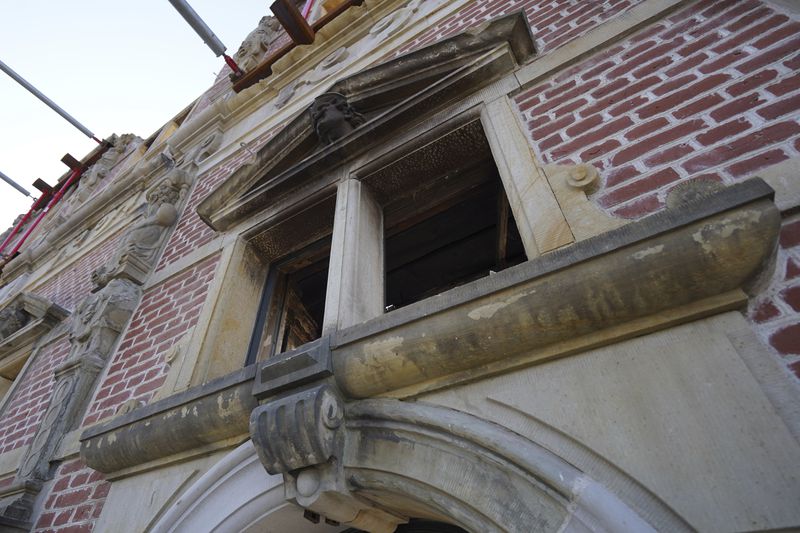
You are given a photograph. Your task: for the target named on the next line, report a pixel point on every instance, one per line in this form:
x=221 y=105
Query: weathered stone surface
x=308 y=422
x=706 y=248
x=94 y=329
x=27 y=311
x=679 y=411
x=445 y=71
x=211 y=413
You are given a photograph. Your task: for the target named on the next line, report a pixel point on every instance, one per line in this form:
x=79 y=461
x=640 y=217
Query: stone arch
x=235 y=495
x=374 y=464
x=422 y=460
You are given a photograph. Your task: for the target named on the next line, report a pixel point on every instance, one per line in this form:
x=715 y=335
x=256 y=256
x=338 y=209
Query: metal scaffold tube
x=14 y=184
x=52 y=105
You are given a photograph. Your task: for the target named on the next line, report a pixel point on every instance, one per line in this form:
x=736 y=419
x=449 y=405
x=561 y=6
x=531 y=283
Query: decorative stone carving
x=137 y=253
x=257 y=42
x=209 y=145
x=584 y=177
x=692 y=190
x=12 y=319
x=302 y=437
x=309 y=420
x=23 y=321
x=98 y=172
x=94 y=328
x=96 y=324
x=334 y=117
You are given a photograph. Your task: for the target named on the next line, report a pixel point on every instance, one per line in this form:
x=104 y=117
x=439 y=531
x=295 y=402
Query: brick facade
x=712 y=91
x=165 y=314
x=75 y=500
x=73 y=283
x=22 y=415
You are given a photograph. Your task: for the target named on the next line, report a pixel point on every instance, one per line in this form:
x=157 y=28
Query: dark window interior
x=456 y=229
x=293 y=302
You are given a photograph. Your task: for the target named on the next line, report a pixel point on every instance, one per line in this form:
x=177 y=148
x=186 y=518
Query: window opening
x=450 y=230
x=293 y=302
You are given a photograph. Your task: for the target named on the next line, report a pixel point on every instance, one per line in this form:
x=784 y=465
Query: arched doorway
x=444 y=471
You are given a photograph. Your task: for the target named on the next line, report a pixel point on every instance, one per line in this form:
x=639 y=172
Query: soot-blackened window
x=446 y=217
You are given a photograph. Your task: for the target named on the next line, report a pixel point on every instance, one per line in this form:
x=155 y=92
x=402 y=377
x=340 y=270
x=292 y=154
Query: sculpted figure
x=137 y=251
x=143 y=240
x=257 y=42
x=12 y=319
x=100 y=317
x=333 y=117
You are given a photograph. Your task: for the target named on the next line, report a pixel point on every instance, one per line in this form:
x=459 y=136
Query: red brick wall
x=75 y=501
x=776 y=311
x=73 y=283
x=25 y=410
x=191 y=232
x=553 y=22
x=165 y=314
x=712 y=91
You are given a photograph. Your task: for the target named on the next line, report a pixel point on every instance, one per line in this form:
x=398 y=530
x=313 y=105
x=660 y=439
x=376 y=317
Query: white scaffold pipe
x=52 y=105
x=16 y=185
x=200 y=27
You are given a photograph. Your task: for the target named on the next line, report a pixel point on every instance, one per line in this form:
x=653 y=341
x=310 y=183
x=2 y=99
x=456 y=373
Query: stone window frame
x=474 y=70
x=355 y=288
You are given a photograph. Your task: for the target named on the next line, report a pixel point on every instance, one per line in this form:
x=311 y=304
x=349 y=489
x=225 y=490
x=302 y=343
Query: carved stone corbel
x=302 y=436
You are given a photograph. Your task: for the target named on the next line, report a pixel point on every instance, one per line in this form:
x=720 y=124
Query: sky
x=116 y=67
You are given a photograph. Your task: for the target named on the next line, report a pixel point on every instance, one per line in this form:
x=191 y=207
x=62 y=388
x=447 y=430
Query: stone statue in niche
x=257 y=42
x=334 y=117
x=12 y=319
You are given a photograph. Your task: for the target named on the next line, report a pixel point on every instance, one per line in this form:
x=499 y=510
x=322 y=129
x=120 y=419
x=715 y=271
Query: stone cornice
x=703 y=249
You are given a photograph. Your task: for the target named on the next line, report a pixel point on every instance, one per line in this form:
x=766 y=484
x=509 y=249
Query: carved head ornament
x=334 y=117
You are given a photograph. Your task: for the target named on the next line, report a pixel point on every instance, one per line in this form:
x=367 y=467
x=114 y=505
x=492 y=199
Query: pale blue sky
x=117 y=67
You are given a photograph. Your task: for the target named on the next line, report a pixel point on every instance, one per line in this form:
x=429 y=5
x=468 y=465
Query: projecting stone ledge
x=694 y=259
x=697 y=258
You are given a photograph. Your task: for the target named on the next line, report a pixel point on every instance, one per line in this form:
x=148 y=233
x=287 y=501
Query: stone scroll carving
x=25 y=319
x=12 y=319
x=302 y=437
x=334 y=117
x=94 y=329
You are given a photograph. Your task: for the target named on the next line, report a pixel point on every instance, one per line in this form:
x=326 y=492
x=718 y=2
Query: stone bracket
x=16 y=502
x=299 y=430
x=309 y=363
